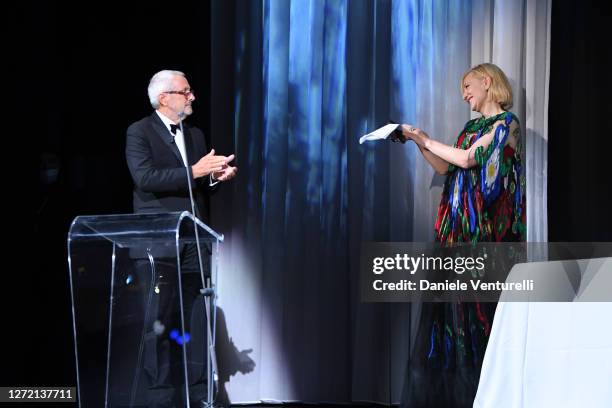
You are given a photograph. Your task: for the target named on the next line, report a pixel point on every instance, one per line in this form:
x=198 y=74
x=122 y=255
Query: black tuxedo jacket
x=160 y=179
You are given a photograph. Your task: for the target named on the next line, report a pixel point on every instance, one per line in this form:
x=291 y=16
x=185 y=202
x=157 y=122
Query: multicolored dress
x=484 y=203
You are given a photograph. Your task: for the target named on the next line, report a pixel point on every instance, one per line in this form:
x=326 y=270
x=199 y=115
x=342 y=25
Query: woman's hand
x=409 y=132
x=416 y=134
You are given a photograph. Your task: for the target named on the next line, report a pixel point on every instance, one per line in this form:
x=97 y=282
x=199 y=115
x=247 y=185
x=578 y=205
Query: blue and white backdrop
x=309 y=77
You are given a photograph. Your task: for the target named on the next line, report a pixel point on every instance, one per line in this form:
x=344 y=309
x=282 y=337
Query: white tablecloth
x=552 y=354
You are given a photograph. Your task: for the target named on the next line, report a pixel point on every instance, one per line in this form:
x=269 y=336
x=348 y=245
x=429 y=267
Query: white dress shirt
x=179 y=138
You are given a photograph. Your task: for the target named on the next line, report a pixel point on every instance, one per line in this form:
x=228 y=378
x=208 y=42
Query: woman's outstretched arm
x=459 y=157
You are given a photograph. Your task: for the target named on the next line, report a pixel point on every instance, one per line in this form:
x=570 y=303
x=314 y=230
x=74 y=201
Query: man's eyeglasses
x=184 y=93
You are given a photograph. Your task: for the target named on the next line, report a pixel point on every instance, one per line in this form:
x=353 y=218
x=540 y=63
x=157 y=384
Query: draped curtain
x=305 y=79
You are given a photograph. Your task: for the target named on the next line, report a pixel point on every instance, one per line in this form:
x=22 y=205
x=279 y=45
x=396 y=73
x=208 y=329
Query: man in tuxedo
x=162 y=158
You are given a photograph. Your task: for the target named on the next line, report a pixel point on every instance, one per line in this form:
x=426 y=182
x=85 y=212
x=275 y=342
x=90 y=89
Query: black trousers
x=163 y=345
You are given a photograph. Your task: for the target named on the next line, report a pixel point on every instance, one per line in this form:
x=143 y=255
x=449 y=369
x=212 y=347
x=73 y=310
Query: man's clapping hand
x=212 y=164
x=227 y=173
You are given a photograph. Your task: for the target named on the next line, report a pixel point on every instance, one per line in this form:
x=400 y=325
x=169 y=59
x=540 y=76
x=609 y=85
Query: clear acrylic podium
x=131 y=344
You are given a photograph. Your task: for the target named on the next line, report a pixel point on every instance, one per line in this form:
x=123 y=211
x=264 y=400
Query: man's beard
x=188 y=110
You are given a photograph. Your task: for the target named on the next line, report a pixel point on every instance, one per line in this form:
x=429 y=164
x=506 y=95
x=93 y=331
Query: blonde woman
x=482 y=200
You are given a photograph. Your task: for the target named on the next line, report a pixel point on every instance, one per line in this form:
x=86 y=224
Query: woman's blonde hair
x=500 y=89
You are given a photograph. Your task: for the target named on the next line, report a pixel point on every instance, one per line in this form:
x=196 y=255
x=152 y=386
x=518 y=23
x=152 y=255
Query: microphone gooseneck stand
x=208 y=291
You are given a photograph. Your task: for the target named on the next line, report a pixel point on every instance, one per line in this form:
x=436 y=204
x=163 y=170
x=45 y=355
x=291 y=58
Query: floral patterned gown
x=483 y=203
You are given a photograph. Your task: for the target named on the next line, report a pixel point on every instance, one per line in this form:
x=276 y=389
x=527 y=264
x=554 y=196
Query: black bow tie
x=173 y=128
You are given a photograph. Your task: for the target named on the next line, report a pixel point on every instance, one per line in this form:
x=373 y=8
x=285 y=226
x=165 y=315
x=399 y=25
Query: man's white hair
x=161 y=82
